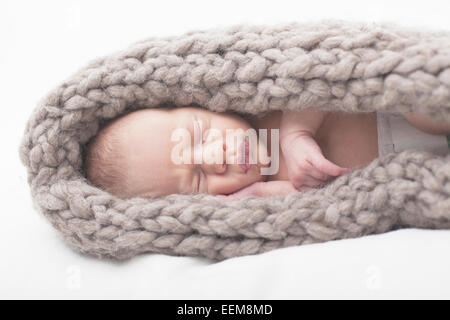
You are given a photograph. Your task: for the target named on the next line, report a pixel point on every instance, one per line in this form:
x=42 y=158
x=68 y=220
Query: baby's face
x=151 y=152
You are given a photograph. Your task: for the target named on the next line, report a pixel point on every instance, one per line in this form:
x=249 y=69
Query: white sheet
x=44 y=42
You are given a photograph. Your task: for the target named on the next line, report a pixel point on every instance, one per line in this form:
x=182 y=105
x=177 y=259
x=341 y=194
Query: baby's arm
x=426 y=124
x=306 y=121
x=262 y=189
x=304 y=159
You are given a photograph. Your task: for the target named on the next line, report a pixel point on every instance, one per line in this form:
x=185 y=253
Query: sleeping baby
x=159 y=151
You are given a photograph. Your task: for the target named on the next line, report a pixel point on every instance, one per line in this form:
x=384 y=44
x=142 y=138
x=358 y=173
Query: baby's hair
x=104 y=162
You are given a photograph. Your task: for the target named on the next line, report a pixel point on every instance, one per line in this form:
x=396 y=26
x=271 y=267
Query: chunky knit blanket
x=330 y=64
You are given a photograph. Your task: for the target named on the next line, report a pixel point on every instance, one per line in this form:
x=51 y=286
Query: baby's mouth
x=243 y=159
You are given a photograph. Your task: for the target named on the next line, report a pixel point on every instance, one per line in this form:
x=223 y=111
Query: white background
x=44 y=42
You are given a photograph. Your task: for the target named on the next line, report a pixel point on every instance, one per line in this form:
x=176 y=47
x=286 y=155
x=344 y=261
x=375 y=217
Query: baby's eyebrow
x=185 y=171
x=185 y=122
x=188 y=124
x=190 y=127
x=191 y=119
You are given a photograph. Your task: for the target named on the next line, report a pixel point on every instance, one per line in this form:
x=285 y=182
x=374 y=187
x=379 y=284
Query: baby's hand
x=262 y=189
x=305 y=162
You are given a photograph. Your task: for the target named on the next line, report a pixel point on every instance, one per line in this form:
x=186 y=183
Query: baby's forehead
x=151 y=128
x=136 y=119
x=168 y=113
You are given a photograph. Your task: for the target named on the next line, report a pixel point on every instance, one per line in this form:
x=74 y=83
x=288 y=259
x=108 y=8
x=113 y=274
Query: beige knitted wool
x=330 y=64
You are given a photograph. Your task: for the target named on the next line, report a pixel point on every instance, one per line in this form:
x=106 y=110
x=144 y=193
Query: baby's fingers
x=317 y=174
x=326 y=166
x=253 y=189
x=308 y=181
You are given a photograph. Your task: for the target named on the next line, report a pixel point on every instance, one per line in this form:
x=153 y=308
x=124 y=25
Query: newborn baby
x=159 y=151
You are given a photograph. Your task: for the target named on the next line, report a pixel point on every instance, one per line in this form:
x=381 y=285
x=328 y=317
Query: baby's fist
x=305 y=162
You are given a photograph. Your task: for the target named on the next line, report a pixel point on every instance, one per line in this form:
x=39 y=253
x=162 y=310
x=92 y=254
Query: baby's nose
x=218 y=168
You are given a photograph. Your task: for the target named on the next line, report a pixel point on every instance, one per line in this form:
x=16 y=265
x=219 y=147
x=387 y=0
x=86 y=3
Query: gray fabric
x=329 y=64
